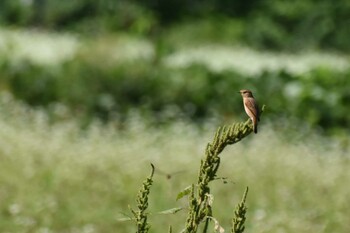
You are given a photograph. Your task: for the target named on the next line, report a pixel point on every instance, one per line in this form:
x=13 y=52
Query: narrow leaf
x=125 y=219
x=184 y=192
x=171 y=211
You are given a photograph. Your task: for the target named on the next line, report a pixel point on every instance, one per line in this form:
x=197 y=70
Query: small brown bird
x=251 y=108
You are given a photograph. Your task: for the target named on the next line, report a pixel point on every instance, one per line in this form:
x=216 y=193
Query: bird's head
x=246 y=93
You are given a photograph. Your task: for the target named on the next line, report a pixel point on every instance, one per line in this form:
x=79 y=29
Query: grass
x=56 y=178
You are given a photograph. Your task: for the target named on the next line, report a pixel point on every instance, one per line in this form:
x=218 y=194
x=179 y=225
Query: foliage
x=92 y=90
x=86 y=16
x=200 y=201
x=272 y=24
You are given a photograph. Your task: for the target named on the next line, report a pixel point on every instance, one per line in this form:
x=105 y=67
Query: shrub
x=91 y=90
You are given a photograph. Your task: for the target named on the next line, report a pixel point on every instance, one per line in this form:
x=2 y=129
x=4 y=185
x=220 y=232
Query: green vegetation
x=140 y=215
x=240 y=215
x=269 y=24
x=57 y=178
x=200 y=198
x=91 y=88
x=92 y=92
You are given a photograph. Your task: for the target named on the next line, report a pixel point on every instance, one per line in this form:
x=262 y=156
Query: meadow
x=93 y=92
x=56 y=177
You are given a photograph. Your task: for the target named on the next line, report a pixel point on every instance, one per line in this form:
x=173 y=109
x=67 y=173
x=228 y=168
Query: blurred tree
x=269 y=24
x=14 y=12
x=38 y=12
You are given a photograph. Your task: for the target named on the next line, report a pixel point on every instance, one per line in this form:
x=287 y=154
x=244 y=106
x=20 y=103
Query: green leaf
x=171 y=211
x=125 y=219
x=184 y=192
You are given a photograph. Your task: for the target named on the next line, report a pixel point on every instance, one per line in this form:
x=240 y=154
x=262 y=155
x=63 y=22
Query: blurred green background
x=126 y=70
x=103 y=58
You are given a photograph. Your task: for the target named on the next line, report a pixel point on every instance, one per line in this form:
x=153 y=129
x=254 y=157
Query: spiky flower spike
x=142 y=204
x=199 y=203
x=239 y=215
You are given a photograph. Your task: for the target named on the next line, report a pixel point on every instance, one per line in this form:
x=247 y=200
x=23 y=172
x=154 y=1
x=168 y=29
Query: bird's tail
x=255 y=126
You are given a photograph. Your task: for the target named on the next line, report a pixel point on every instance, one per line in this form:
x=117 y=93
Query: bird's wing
x=257 y=107
x=253 y=107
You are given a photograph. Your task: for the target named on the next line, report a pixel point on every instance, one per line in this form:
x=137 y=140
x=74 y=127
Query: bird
x=251 y=108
